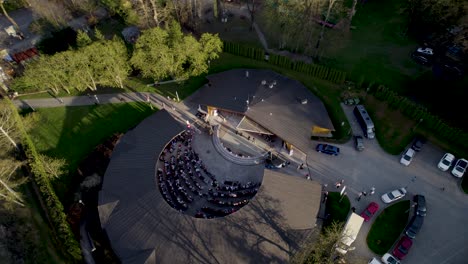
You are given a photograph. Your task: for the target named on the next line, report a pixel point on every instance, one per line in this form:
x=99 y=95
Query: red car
x=402 y=248
x=369 y=211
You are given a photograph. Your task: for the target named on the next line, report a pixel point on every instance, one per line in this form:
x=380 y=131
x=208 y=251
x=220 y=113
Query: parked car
x=446 y=161
x=389 y=259
x=420 y=208
x=418 y=143
x=328 y=149
x=374 y=261
x=407 y=157
x=421 y=59
x=359 y=143
x=394 y=195
x=426 y=51
x=415 y=224
x=460 y=168
x=370 y=211
x=402 y=248
x=352 y=101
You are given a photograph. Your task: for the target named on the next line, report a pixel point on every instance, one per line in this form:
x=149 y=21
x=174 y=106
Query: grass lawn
x=73 y=132
x=394 y=131
x=338 y=210
x=388 y=227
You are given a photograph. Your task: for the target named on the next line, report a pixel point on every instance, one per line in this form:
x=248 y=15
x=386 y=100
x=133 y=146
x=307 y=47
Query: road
x=443 y=238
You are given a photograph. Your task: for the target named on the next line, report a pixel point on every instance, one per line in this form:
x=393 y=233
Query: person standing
x=359 y=197
x=372 y=190
x=338 y=185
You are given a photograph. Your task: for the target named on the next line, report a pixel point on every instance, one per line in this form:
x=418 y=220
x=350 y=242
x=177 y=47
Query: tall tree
x=55 y=12
x=82 y=39
x=162 y=53
x=9 y=133
x=123 y=8
x=9 y=182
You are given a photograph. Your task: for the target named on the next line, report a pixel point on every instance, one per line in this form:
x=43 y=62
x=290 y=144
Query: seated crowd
x=183 y=178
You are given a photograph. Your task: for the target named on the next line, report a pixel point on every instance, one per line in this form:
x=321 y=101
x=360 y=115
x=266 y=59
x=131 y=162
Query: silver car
x=394 y=195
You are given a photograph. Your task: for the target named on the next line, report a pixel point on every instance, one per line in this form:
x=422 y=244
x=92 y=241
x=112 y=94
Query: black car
x=415 y=224
x=420 y=208
x=418 y=143
x=328 y=149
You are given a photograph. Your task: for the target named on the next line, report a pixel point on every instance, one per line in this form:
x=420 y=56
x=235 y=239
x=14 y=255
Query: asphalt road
x=443 y=238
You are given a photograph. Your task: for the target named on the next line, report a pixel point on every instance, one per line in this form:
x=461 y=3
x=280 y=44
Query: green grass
x=338 y=210
x=73 y=132
x=388 y=227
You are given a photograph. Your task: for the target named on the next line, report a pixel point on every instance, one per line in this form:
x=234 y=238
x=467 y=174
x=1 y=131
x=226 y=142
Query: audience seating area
x=187 y=185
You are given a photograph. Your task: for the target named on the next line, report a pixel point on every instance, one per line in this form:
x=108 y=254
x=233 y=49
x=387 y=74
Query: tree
x=82 y=39
x=53 y=166
x=123 y=8
x=321 y=249
x=9 y=133
x=53 y=11
x=9 y=182
x=162 y=53
x=252 y=7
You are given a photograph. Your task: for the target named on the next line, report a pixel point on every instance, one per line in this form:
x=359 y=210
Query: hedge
x=54 y=210
x=314 y=70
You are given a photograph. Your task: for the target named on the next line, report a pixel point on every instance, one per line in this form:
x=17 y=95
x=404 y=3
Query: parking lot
x=444 y=236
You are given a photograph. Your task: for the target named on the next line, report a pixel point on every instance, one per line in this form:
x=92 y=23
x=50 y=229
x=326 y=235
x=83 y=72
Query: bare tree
x=53 y=11
x=8 y=129
x=331 y=4
x=8 y=181
x=251 y=6
x=12 y=21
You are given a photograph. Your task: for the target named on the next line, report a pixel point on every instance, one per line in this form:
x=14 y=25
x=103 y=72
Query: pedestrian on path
x=359 y=196
x=307 y=176
x=372 y=190
x=338 y=185
x=325 y=197
x=353 y=209
x=96 y=98
x=342 y=181
x=364 y=193
x=443 y=188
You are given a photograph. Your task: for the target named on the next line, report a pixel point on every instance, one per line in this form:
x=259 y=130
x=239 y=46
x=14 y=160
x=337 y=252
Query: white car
x=425 y=51
x=460 y=168
x=394 y=195
x=407 y=157
x=389 y=259
x=374 y=261
x=446 y=162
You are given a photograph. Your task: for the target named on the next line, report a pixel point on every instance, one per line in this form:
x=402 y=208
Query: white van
x=374 y=261
x=350 y=233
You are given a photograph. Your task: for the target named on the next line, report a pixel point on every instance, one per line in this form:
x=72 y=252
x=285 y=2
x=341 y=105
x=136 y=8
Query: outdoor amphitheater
x=198 y=191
